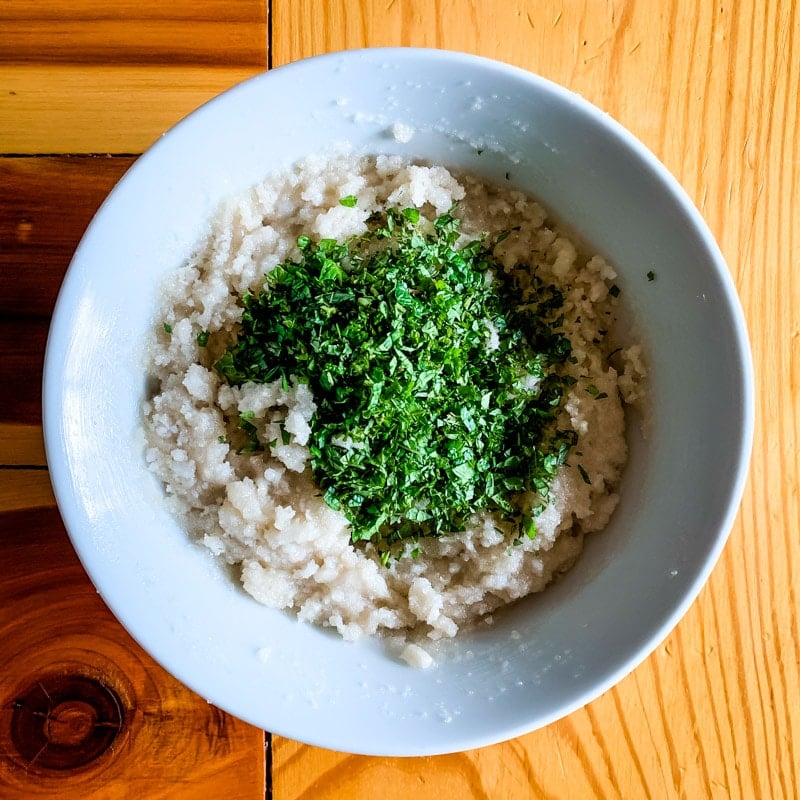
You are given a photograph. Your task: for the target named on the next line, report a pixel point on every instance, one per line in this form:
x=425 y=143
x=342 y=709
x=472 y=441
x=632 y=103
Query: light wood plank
x=715 y=711
x=612 y=53
x=97 y=108
x=69 y=673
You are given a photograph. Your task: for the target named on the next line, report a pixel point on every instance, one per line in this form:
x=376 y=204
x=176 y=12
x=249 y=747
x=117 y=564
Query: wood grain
x=63 y=681
x=94 y=77
x=22 y=445
x=98 y=108
x=23 y=489
x=84 y=712
x=45 y=206
x=132 y=32
x=712 y=89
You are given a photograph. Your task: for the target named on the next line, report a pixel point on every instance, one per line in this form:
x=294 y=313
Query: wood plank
x=99 y=108
x=611 y=53
x=21 y=445
x=45 y=206
x=22 y=343
x=715 y=711
x=621 y=58
x=84 y=711
x=691 y=721
x=135 y=32
x=23 y=489
x=655 y=735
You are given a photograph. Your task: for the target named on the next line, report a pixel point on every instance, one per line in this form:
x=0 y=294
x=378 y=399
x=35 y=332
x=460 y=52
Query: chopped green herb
x=601 y=396
x=391 y=332
x=253 y=444
x=167 y=327
x=349 y=202
x=584 y=474
x=202 y=338
x=529 y=526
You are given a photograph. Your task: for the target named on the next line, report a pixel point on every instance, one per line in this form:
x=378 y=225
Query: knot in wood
x=63 y=722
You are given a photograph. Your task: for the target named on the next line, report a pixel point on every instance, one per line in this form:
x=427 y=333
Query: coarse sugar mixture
x=242 y=425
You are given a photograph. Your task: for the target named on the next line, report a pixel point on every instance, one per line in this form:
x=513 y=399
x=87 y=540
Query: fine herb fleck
x=202 y=338
x=349 y=202
x=595 y=392
x=651 y=276
x=167 y=327
x=437 y=377
x=614 y=290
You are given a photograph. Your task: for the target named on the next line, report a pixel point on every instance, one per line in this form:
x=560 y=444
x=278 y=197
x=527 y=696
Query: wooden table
x=711 y=87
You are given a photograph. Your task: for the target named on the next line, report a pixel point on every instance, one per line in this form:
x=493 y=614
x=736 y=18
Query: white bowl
x=634 y=581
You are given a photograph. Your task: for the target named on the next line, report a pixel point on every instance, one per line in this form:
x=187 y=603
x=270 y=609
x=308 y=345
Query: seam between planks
x=267 y=734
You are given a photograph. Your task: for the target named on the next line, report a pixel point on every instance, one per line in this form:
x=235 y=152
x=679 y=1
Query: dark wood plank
x=45 y=206
x=84 y=711
x=22 y=343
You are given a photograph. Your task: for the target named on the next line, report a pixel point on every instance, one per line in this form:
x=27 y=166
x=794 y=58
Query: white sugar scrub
x=402 y=133
x=263 y=511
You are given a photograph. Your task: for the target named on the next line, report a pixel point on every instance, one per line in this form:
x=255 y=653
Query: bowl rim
x=454 y=741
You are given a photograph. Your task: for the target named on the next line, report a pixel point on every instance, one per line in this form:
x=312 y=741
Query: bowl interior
x=548 y=654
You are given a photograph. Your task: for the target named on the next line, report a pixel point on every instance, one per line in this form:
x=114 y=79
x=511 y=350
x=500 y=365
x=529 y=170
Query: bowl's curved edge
x=56 y=448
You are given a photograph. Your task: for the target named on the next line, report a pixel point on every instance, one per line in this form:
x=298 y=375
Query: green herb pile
x=419 y=422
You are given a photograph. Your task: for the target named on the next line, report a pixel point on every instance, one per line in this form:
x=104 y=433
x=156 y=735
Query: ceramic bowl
x=543 y=657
